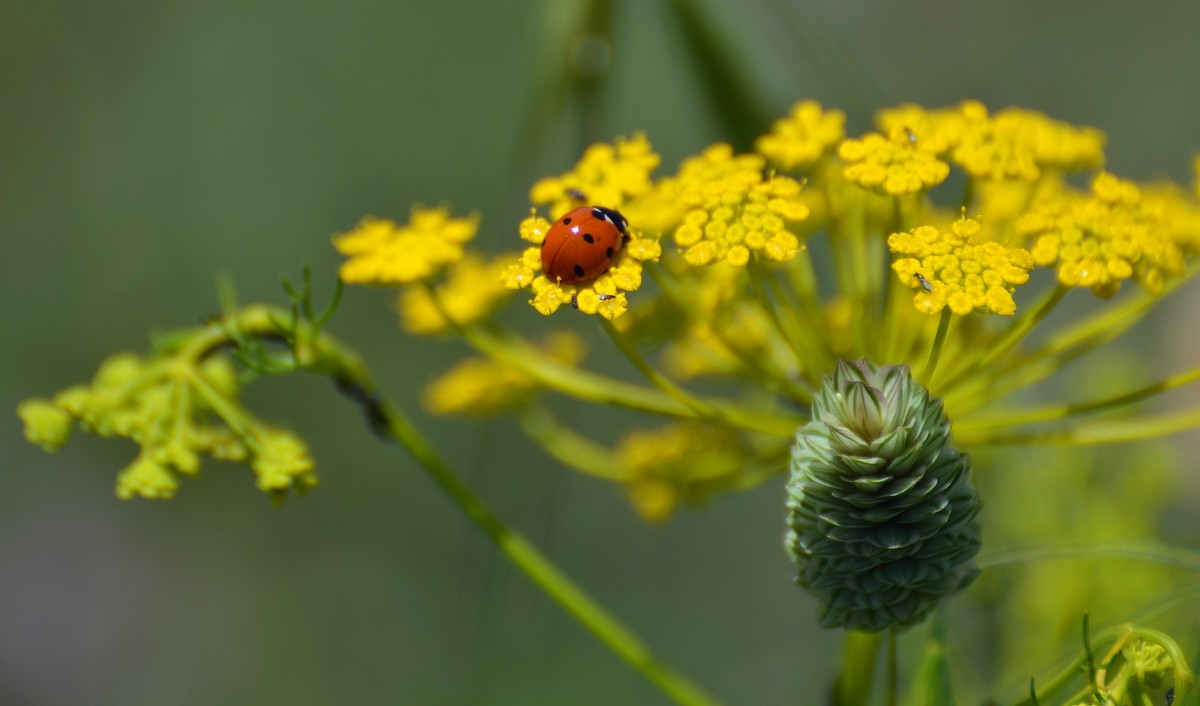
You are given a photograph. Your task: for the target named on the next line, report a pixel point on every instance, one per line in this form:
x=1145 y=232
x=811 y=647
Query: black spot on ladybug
x=587 y=238
x=609 y=252
x=566 y=221
x=578 y=271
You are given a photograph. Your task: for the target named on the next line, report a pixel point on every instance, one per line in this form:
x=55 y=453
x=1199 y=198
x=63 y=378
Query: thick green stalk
x=858 y=668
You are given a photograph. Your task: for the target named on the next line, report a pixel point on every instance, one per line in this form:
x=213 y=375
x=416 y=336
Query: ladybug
x=583 y=244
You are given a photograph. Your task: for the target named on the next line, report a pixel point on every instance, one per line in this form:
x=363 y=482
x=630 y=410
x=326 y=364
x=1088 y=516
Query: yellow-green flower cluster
x=386 y=253
x=733 y=210
x=1100 y=239
x=796 y=142
x=176 y=411
x=957 y=269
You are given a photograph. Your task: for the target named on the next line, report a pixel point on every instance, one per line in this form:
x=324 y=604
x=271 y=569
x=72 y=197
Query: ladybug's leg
x=574 y=302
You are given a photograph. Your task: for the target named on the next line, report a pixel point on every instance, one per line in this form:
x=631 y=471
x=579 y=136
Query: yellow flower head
x=733 y=210
x=936 y=130
x=1101 y=239
x=796 y=142
x=606 y=175
x=604 y=295
x=384 y=252
x=897 y=165
x=470 y=291
x=1020 y=144
x=957 y=269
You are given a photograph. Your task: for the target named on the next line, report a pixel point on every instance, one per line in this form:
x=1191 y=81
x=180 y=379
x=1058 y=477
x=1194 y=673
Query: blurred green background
x=147 y=146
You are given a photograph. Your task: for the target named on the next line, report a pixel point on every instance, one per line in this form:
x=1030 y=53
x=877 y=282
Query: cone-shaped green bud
x=882 y=517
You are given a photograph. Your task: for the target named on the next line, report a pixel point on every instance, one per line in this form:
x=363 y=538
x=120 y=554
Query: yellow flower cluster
x=897 y=165
x=1113 y=234
x=733 y=210
x=958 y=270
x=606 y=175
x=1012 y=144
x=384 y=252
x=796 y=142
x=470 y=291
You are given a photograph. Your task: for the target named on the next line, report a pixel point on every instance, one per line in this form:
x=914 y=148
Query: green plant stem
x=935 y=352
x=324 y=355
x=543 y=572
x=858 y=668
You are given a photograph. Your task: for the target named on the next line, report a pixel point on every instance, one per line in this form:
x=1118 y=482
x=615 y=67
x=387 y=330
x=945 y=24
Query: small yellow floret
x=606 y=175
x=796 y=142
x=956 y=269
x=472 y=289
x=734 y=211
x=896 y=166
x=384 y=252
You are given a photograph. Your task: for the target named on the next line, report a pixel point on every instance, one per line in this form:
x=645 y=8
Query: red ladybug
x=582 y=245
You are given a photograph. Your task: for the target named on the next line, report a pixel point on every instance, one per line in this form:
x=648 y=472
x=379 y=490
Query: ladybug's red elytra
x=582 y=245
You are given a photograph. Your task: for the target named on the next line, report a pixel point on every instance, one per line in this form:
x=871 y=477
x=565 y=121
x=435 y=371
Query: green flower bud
x=882 y=517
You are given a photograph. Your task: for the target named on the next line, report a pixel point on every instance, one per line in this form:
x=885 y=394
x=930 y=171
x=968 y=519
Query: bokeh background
x=147 y=146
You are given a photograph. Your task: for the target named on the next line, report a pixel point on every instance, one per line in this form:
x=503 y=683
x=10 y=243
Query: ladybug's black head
x=612 y=216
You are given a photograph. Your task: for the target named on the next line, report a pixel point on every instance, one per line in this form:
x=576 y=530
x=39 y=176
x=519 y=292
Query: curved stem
x=325 y=355
x=542 y=571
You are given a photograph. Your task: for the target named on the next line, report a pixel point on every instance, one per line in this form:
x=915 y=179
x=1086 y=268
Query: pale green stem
x=659 y=380
x=543 y=572
x=569 y=447
x=1012 y=335
x=935 y=352
x=754 y=363
x=1052 y=412
x=1109 y=432
x=858 y=668
x=586 y=385
x=1153 y=553
x=798 y=341
x=893 y=669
